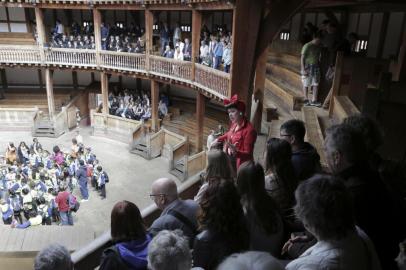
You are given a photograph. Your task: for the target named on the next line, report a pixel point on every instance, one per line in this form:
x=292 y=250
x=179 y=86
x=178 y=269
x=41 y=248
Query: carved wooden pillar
x=97 y=33
x=105 y=92
x=49 y=82
x=154 y=105
x=200 y=108
x=196 y=29
x=259 y=88
x=149 y=23
x=39 y=18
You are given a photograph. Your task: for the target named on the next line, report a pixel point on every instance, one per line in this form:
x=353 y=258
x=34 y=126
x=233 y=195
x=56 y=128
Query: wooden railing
x=16 y=54
x=21 y=118
x=155 y=144
x=195 y=164
x=114 y=127
x=74 y=57
x=171 y=67
x=212 y=81
x=124 y=61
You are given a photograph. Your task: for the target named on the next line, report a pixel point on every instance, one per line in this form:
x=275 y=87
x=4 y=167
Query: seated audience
x=305 y=159
x=224 y=228
x=251 y=260
x=130 y=239
x=53 y=257
x=169 y=250
x=325 y=207
x=280 y=180
x=263 y=218
x=176 y=213
x=218 y=167
x=345 y=154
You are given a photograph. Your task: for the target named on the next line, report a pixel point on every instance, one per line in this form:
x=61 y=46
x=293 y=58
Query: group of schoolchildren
x=36 y=187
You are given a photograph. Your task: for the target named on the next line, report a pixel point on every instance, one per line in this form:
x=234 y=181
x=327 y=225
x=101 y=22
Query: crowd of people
x=288 y=214
x=37 y=186
x=215 y=47
x=135 y=105
x=113 y=38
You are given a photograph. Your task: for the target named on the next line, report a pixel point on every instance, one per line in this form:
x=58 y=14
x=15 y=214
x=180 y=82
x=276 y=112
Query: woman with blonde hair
x=218 y=167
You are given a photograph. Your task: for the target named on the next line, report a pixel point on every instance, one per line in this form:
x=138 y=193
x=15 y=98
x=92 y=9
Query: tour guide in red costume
x=239 y=140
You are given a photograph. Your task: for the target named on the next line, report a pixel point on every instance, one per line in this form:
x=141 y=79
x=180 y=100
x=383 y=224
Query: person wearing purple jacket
x=130 y=239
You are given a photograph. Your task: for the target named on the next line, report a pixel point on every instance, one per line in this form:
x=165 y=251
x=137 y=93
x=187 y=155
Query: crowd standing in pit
x=135 y=105
x=37 y=186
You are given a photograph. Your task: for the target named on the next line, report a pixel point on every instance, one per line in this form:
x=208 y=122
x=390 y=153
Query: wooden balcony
x=211 y=82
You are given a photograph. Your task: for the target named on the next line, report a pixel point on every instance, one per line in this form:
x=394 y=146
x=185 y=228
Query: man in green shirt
x=310 y=68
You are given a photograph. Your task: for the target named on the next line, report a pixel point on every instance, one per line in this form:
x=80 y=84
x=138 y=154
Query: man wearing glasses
x=305 y=159
x=176 y=213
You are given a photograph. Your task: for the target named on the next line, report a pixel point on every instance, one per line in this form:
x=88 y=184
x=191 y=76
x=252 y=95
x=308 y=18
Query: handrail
x=107 y=2
x=212 y=81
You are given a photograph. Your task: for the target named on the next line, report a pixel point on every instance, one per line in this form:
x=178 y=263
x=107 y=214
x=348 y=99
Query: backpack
x=16 y=203
x=106 y=177
x=73 y=203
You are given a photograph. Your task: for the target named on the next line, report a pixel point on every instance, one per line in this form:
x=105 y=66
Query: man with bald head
x=176 y=213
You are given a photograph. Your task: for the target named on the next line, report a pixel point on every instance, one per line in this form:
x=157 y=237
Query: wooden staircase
x=140 y=148
x=44 y=127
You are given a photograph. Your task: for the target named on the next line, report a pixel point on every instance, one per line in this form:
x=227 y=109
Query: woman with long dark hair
x=280 y=180
x=130 y=239
x=261 y=212
x=224 y=230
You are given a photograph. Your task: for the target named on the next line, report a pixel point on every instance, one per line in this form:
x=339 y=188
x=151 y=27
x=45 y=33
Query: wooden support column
x=245 y=35
x=149 y=23
x=40 y=80
x=196 y=29
x=97 y=33
x=3 y=83
x=138 y=84
x=49 y=81
x=104 y=81
x=39 y=18
x=75 y=80
x=154 y=105
x=200 y=108
x=259 y=88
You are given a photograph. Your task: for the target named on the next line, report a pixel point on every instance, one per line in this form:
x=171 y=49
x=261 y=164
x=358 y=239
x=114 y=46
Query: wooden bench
x=174 y=111
x=17 y=38
x=291 y=98
x=314 y=133
x=343 y=107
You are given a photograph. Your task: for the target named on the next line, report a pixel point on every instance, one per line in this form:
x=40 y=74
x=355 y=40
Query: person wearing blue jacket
x=218 y=54
x=130 y=239
x=6 y=211
x=81 y=175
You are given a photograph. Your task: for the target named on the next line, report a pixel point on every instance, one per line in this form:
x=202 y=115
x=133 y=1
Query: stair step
x=178 y=174
x=291 y=98
x=287 y=76
x=287 y=60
